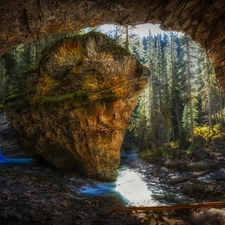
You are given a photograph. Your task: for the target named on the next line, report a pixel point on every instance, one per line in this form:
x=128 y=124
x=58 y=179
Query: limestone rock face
x=77 y=111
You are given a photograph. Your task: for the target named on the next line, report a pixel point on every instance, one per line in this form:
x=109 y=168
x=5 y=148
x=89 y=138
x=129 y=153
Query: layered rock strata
x=78 y=102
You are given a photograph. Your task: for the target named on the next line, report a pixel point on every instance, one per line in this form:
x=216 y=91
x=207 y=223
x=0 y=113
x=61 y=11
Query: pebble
x=64 y=204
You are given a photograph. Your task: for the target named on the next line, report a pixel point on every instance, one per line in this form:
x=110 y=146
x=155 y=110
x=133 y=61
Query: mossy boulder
x=78 y=103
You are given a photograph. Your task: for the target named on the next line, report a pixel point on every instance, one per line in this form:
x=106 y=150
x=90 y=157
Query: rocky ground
x=204 y=180
x=41 y=195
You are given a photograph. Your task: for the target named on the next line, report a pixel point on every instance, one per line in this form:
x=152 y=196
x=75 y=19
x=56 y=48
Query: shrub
x=152 y=156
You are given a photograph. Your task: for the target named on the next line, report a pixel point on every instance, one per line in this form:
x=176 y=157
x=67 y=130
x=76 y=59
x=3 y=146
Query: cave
x=24 y=21
x=33 y=19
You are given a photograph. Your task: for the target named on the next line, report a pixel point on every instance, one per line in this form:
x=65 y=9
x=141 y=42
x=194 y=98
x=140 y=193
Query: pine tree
x=191 y=62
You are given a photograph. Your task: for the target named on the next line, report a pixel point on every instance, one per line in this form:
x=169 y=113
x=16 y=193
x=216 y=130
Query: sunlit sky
x=142 y=29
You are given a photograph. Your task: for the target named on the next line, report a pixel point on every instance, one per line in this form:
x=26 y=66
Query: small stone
x=64 y=204
x=142 y=215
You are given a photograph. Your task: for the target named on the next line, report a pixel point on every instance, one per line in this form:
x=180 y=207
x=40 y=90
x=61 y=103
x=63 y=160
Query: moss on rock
x=76 y=104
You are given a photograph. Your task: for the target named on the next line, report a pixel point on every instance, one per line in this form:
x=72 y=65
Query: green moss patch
x=105 y=44
x=71 y=100
x=17 y=101
x=13 y=96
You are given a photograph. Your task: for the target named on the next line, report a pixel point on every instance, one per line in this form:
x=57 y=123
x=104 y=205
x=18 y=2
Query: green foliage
x=190 y=151
x=152 y=156
x=162 y=119
x=77 y=99
x=164 y=152
x=204 y=134
x=129 y=142
x=170 y=149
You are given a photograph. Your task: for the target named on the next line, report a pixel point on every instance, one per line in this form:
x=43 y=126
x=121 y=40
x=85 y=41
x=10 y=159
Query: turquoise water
x=5 y=161
x=134 y=185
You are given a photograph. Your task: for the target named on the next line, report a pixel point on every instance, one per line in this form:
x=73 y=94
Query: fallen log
x=174 y=207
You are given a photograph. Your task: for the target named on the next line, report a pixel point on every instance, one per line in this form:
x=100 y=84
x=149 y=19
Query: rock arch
x=22 y=21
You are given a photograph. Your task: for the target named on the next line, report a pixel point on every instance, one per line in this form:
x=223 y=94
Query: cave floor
x=41 y=195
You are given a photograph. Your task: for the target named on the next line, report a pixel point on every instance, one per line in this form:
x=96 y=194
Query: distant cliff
x=75 y=106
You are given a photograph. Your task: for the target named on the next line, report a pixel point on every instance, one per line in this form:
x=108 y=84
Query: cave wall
x=22 y=21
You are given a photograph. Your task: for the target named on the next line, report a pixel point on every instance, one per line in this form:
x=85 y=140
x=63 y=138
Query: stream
x=138 y=184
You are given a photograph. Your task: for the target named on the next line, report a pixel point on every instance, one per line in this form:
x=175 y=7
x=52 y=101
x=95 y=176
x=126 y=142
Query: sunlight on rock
x=134 y=189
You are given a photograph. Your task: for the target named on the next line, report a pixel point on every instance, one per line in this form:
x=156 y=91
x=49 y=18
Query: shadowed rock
x=22 y=21
x=78 y=104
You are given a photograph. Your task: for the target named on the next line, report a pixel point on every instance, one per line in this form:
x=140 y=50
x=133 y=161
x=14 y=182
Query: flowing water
x=138 y=184
x=8 y=161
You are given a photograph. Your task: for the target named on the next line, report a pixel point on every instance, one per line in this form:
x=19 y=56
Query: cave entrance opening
x=147 y=48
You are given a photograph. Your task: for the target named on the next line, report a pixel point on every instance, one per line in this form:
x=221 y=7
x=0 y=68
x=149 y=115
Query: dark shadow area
x=40 y=160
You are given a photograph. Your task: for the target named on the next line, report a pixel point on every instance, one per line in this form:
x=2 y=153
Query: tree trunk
x=174 y=85
x=189 y=88
x=127 y=38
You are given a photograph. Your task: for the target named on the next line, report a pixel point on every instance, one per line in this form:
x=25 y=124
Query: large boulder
x=77 y=105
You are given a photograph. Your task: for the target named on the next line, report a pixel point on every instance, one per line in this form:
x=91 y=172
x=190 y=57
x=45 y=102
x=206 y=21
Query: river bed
x=40 y=195
x=138 y=184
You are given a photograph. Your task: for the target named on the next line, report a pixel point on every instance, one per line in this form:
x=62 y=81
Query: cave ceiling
x=26 y=20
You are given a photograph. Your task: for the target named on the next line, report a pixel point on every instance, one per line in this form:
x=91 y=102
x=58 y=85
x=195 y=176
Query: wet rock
x=218 y=175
